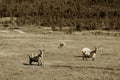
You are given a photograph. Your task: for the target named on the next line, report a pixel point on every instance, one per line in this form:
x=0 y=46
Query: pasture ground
x=59 y=63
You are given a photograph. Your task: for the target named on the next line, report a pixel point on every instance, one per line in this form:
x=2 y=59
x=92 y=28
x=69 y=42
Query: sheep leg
x=93 y=59
x=83 y=59
x=86 y=57
x=30 y=61
x=39 y=62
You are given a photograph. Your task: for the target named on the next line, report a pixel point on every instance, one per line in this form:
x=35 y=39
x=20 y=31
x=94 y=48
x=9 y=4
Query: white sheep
x=88 y=53
x=62 y=44
x=36 y=57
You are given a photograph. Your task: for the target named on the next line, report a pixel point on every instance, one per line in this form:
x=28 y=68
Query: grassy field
x=59 y=63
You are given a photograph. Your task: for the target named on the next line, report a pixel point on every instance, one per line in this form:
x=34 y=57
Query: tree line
x=80 y=14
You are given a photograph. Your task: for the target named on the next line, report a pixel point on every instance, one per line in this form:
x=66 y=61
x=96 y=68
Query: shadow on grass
x=78 y=57
x=26 y=64
x=80 y=67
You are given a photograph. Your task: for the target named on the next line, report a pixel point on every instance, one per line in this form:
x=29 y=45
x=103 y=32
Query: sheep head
x=41 y=52
x=96 y=49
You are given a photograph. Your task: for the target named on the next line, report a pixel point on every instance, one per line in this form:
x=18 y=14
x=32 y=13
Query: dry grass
x=101 y=32
x=59 y=63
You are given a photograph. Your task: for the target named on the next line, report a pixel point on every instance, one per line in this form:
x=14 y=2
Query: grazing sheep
x=62 y=44
x=36 y=57
x=88 y=53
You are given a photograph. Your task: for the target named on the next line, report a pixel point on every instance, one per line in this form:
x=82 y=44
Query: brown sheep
x=36 y=57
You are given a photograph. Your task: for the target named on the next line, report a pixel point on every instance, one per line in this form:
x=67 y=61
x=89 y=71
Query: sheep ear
x=40 y=50
x=97 y=48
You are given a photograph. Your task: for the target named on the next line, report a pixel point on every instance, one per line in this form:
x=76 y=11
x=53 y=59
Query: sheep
x=62 y=44
x=36 y=57
x=88 y=53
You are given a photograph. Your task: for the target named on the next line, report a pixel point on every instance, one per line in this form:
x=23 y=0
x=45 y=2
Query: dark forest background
x=80 y=14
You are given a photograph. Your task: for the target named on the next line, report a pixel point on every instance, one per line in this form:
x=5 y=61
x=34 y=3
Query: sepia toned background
x=29 y=25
